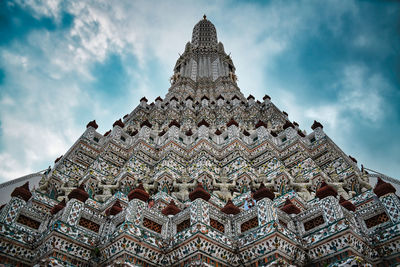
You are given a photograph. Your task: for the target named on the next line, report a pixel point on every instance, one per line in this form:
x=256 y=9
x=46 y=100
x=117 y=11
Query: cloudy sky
x=64 y=63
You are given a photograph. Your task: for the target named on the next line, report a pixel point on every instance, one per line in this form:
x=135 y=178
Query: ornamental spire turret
x=204 y=34
x=204 y=61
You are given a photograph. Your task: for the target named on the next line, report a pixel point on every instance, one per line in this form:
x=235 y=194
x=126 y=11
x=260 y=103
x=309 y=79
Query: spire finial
x=204 y=16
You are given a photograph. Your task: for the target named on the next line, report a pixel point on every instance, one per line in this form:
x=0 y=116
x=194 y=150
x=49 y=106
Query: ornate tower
x=203 y=177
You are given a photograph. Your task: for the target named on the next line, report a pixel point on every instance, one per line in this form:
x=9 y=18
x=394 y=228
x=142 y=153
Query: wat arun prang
x=198 y=154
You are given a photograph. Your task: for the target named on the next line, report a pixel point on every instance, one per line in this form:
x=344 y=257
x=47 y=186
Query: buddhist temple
x=171 y=184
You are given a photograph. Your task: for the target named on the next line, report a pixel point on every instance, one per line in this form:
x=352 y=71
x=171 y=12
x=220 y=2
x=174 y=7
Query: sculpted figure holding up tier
x=262 y=178
x=224 y=192
x=70 y=185
x=148 y=184
x=338 y=185
x=44 y=181
x=184 y=186
x=302 y=188
x=363 y=179
x=107 y=187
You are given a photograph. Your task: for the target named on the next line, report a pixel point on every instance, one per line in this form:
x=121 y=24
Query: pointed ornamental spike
x=316 y=125
x=22 y=192
x=220 y=97
x=92 y=124
x=58 y=207
x=119 y=123
x=382 y=188
x=218 y=132
x=139 y=193
x=189 y=98
x=79 y=193
x=260 y=123
x=58 y=159
x=173 y=99
x=266 y=97
x=232 y=122
x=203 y=122
x=144 y=99
x=107 y=133
x=287 y=125
x=263 y=192
x=325 y=190
x=347 y=204
x=300 y=133
x=114 y=209
x=174 y=123
x=133 y=133
x=353 y=159
x=199 y=192
x=189 y=132
x=204 y=97
x=158 y=99
x=290 y=208
x=171 y=209
x=146 y=123
x=230 y=208
x=250 y=97
x=161 y=133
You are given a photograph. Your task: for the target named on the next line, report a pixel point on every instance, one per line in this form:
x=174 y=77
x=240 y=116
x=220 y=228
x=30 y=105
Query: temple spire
x=204 y=34
x=204 y=59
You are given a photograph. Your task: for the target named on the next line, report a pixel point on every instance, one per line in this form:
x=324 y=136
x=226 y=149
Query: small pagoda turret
x=199 y=192
x=263 y=192
x=230 y=208
x=325 y=190
x=290 y=208
x=171 y=209
x=22 y=192
x=382 y=188
x=139 y=193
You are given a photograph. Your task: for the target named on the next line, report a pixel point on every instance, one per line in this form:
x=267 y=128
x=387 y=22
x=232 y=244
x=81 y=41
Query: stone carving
x=68 y=186
x=224 y=186
x=184 y=186
x=107 y=187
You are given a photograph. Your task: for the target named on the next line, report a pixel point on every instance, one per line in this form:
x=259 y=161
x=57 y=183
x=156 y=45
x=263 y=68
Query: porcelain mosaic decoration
x=172 y=184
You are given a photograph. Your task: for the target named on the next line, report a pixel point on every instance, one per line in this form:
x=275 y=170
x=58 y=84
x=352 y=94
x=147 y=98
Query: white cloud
x=359 y=95
x=361 y=92
x=40 y=8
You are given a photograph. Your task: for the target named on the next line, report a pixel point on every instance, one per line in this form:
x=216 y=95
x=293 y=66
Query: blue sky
x=64 y=63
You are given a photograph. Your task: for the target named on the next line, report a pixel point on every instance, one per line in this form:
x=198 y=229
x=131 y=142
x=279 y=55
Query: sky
x=65 y=63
